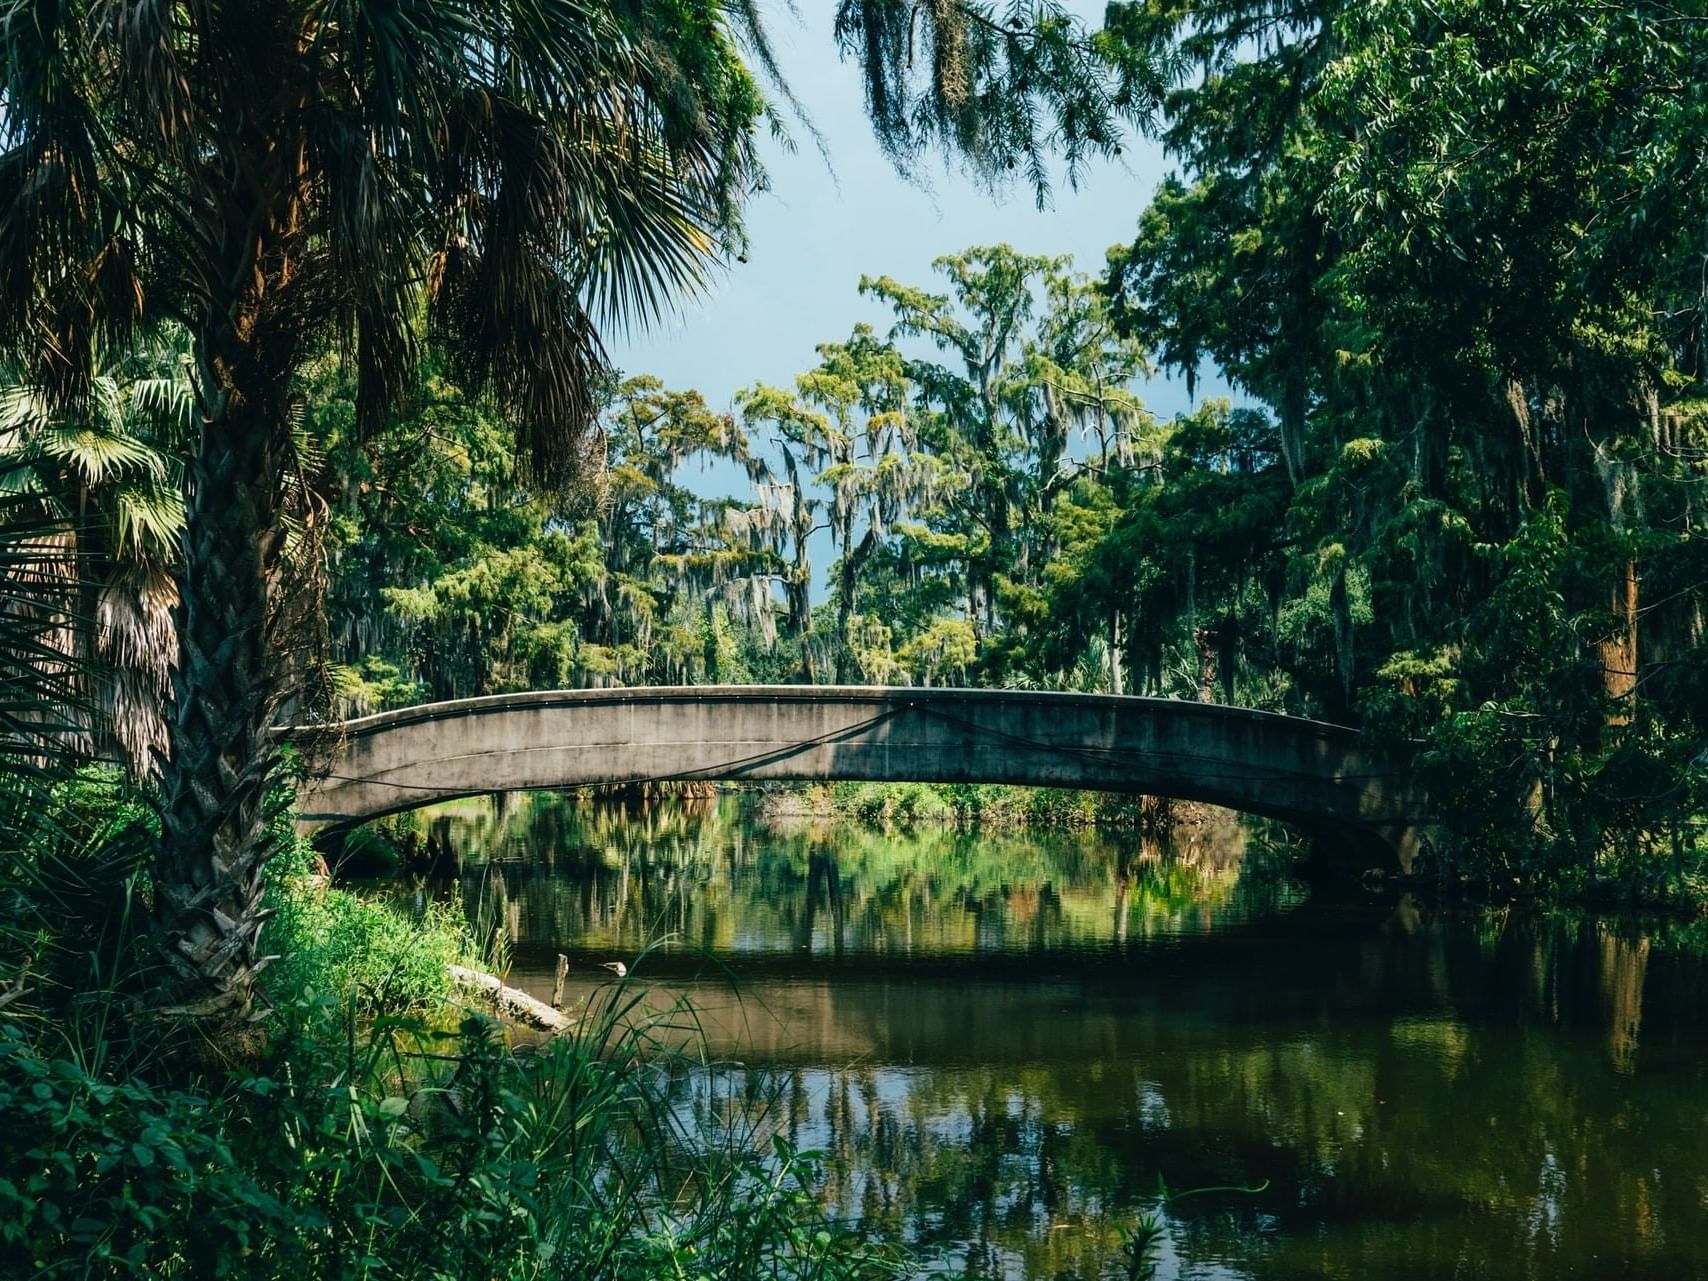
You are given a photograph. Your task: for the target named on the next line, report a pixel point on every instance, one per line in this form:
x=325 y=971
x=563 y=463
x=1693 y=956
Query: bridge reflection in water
x=1321 y=778
x=1001 y=1042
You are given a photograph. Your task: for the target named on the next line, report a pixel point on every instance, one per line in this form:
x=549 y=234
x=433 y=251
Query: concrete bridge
x=1315 y=776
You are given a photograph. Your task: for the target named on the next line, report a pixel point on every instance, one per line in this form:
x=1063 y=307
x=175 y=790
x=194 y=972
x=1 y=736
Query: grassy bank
x=373 y=1126
x=974 y=805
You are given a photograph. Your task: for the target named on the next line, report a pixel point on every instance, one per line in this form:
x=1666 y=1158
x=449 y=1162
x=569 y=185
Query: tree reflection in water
x=1003 y=1042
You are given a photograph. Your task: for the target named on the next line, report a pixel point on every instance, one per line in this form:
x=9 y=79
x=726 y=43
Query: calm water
x=1004 y=1043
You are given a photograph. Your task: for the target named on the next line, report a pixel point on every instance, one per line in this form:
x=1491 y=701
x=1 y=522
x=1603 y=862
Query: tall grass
x=406 y=1155
x=338 y=949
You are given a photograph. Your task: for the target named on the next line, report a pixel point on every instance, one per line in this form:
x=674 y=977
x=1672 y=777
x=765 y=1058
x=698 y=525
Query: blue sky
x=821 y=227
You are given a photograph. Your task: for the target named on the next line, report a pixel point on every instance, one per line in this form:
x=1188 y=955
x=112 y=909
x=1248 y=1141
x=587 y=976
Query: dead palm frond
x=102 y=463
x=42 y=711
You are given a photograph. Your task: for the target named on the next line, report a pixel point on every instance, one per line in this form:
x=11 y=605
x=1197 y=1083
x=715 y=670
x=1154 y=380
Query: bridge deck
x=1318 y=776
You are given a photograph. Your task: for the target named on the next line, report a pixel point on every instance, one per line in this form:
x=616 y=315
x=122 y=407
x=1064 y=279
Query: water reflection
x=721 y=881
x=1003 y=1043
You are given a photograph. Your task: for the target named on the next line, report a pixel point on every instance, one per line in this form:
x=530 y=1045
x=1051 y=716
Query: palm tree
x=275 y=175
x=108 y=474
x=497 y=175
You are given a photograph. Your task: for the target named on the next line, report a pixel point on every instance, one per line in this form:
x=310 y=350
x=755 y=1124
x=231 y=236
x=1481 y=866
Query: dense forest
x=1458 y=497
x=308 y=413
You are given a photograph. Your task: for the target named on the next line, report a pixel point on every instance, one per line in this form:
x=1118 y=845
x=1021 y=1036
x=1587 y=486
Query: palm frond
x=148 y=521
x=169 y=399
x=97 y=454
x=657 y=241
x=67 y=890
x=24 y=411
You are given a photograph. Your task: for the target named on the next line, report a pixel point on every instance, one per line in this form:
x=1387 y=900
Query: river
x=1009 y=1046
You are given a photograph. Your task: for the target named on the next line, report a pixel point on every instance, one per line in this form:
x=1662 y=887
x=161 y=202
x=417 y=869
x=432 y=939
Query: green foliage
x=847 y=422
x=880 y=804
x=357 y=1139
x=454 y=579
x=110 y=1178
x=1141 y=1245
x=372 y=684
x=999 y=87
x=74 y=881
x=335 y=948
x=108 y=467
x=949 y=491
x=981 y=806
x=378 y=1162
x=1453 y=252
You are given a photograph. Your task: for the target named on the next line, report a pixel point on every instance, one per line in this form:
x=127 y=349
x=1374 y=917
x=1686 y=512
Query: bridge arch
x=1321 y=778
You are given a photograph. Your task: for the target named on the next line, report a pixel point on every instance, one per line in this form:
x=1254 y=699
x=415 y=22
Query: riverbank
x=373 y=1119
x=980 y=805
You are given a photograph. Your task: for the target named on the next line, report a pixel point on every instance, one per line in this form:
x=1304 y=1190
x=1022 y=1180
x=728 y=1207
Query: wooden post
x=557 y=987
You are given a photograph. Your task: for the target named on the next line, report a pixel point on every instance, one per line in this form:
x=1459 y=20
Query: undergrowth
x=377 y=1130
x=337 y=947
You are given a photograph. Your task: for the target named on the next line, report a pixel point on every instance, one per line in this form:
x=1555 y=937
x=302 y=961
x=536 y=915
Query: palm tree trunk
x=208 y=883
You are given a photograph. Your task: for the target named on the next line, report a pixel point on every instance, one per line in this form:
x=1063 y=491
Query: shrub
x=116 y=1177
x=339 y=946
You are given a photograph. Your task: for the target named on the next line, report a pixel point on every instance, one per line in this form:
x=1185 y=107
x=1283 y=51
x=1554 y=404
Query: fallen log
x=512 y=1002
